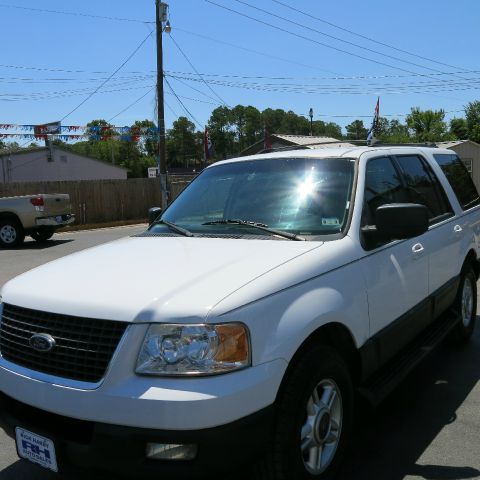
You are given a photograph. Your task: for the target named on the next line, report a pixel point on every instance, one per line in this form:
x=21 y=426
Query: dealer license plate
x=37 y=449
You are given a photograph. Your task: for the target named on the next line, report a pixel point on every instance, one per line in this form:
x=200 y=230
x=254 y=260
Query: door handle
x=417 y=249
x=457 y=229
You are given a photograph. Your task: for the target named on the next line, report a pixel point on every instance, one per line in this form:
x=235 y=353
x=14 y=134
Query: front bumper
x=56 y=221
x=121 y=450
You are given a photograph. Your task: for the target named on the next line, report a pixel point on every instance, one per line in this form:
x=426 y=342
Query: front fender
x=280 y=323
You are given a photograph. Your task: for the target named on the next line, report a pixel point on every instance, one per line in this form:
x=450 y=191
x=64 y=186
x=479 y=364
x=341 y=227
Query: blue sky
x=82 y=51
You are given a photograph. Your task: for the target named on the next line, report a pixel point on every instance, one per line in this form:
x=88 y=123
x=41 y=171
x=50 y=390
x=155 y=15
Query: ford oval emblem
x=42 y=342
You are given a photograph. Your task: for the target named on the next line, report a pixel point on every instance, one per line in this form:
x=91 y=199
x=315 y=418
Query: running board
x=381 y=384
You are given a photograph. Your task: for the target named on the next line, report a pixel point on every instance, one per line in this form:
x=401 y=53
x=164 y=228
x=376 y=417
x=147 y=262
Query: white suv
x=240 y=325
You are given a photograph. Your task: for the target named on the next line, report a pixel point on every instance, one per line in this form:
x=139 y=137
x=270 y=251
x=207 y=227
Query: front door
x=396 y=272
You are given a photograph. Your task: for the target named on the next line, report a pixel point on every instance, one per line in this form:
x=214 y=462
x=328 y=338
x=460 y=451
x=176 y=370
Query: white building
x=53 y=165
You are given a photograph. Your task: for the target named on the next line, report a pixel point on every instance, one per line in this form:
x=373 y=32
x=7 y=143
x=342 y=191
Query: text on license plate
x=37 y=449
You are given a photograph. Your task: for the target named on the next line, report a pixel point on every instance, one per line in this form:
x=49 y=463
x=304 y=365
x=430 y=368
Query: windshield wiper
x=260 y=226
x=175 y=228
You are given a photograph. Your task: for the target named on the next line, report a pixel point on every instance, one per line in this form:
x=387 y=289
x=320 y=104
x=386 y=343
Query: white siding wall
x=34 y=166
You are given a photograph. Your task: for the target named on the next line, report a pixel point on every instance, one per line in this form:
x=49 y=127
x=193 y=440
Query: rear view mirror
x=153 y=214
x=398 y=221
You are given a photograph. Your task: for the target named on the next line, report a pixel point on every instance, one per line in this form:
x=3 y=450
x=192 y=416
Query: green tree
x=459 y=128
x=293 y=124
x=472 y=113
x=183 y=147
x=272 y=119
x=223 y=137
x=356 y=130
x=427 y=125
x=9 y=147
x=329 y=129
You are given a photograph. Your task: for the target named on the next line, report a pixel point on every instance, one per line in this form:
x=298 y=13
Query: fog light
x=171 y=451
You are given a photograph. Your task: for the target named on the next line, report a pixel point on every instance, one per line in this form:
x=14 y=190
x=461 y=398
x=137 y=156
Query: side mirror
x=153 y=214
x=399 y=221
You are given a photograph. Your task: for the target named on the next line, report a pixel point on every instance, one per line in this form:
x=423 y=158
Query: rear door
x=443 y=240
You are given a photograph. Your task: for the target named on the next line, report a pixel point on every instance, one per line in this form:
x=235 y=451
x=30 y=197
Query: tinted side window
x=460 y=180
x=382 y=185
x=422 y=186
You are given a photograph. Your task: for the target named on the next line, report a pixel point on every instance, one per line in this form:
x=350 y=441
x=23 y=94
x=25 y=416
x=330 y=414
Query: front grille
x=83 y=350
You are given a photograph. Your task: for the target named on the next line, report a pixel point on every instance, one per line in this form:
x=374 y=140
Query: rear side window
x=459 y=178
x=423 y=187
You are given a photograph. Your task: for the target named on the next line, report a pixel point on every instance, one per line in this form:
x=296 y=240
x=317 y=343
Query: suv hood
x=150 y=279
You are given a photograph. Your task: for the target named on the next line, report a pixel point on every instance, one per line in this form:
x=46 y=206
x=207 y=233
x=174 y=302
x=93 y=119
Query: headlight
x=194 y=349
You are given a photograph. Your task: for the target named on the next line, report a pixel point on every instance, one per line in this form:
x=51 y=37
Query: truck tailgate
x=56 y=204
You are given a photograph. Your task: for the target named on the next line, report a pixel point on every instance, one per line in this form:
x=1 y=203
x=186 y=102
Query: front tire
x=465 y=306
x=11 y=233
x=314 y=418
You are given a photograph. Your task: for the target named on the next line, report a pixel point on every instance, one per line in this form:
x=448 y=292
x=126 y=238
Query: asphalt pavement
x=429 y=428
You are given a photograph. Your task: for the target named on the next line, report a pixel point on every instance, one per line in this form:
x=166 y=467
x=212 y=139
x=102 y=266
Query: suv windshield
x=302 y=196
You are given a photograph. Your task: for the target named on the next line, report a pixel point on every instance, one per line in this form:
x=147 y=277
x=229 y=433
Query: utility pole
x=310 y=114
x=161 y=19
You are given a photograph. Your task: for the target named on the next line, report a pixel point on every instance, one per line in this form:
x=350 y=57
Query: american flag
x=376 y=118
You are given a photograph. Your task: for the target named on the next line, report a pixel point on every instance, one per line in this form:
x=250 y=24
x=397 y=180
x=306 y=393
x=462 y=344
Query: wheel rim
x=467 y=302
x=320 y=434
x=8 y=234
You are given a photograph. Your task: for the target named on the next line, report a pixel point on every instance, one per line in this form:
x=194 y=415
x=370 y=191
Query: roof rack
x=359 y=143
x=305 y=146
x=376 y=142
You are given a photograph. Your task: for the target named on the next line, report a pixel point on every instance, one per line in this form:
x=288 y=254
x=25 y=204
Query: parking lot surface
x=429 y=428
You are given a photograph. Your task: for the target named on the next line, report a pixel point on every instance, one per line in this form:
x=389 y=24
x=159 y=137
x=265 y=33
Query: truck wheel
x=42 y=235
x=11 y=233
x=465 y=306
x=314 y=419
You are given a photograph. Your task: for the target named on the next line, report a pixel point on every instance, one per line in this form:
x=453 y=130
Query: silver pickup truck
x=35 y=215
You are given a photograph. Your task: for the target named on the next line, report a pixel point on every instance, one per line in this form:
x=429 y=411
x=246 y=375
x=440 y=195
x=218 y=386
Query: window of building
x=468 y=162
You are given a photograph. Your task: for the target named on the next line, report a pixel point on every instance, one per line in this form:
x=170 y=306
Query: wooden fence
x=102 y=201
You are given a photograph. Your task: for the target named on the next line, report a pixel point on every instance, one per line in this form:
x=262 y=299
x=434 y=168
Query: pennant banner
x=67 y=138
x=56 y=128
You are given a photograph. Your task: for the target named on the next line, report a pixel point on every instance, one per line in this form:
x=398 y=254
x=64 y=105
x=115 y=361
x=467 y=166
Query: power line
x=193 y=88
x=110 y=77
x=354 y=89
x=340 y=77
x=356 y=45
x=182 y=104
x=194 y=99
x=418 y=83
x=332 y=36
x=61 y=92
x=50 y=97
x=367 y=38
x=309 y=39
x=132 y=104
x=370 y=116
x=257 y=52
x=76 y=14
x=195 y=70
x=171 y=109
